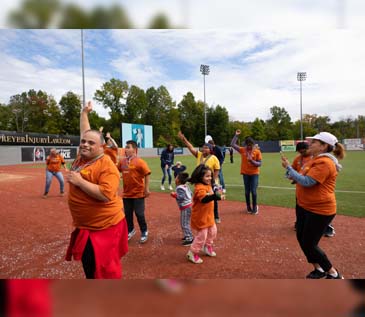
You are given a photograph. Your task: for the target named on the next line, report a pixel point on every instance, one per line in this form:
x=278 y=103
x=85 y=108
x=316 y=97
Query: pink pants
x=204 y=237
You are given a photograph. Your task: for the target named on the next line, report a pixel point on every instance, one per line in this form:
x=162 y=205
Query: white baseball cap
x=325 y=137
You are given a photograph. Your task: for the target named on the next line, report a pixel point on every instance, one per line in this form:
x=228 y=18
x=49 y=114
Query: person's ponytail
x=339 y=151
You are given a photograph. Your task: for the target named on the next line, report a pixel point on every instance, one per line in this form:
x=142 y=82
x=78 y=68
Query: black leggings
x=88 y=260
x=310 y=228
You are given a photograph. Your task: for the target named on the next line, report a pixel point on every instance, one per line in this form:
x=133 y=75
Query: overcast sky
x=249 y=71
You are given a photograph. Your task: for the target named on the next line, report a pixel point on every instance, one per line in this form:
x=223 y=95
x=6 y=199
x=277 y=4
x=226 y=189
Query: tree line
x=38 y=111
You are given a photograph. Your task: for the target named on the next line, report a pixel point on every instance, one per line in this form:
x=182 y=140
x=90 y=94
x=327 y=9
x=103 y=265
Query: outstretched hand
x=88 y=107
x=284 y=161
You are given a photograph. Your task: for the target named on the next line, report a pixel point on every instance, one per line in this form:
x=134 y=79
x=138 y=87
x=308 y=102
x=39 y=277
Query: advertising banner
x=37 y=139
x=140 y=133
x=39 y=153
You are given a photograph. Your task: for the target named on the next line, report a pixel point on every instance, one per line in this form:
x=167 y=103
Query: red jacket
x=109 y=246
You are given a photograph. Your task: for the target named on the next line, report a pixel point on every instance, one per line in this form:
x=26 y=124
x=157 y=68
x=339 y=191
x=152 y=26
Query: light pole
x=83 y=72
x=204 y=69
x=301 y=76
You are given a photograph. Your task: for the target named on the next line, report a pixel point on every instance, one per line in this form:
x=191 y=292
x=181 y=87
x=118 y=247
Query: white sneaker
x=193 y=257
x=162 y=187
x=208 y=250
x=131 y=234
x=170 y=187
x=144 y=237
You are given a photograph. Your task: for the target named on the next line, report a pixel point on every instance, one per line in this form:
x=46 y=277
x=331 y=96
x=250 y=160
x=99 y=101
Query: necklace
x=77 y=167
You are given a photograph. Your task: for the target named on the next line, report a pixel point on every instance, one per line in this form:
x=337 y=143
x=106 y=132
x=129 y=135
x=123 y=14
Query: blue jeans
x=251 y=182
x=164 y=171
x=59 y=177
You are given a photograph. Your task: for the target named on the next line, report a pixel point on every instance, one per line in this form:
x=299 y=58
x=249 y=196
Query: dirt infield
x=35 y=233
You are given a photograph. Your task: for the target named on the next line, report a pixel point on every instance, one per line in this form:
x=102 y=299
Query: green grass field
x=275 y=189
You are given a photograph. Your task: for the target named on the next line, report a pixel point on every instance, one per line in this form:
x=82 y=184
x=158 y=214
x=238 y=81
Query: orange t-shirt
x=320 y=198
x=54 y=162
x=299 y=161
x=133 y=172
x=247 y=167
x=90 y=213
x=202 y=215
x=112 y=152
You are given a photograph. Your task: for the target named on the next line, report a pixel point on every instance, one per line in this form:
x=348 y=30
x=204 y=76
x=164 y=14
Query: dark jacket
x=167 y=157
x=217 y=151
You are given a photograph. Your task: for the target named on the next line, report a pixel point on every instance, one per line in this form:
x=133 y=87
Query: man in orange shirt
x=136 y=180
x=316 y=200
x=250 y=169
x=100 y=237
x=54 y=162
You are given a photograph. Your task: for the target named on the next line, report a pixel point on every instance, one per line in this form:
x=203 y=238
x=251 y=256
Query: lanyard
x=76 y=167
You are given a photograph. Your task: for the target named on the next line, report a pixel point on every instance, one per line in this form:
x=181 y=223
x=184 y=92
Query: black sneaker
x=316 y=274
x=331 y=277
x=249 y=209
x=187 y=242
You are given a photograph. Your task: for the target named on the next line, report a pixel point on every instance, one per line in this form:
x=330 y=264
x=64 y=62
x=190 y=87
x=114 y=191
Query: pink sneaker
x=208 y=250
x=193 y=257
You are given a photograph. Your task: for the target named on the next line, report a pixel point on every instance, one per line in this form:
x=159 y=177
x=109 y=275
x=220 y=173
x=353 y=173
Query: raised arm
x=234 y=141
x=187 y=143
x=84 y=118
x=115 y=145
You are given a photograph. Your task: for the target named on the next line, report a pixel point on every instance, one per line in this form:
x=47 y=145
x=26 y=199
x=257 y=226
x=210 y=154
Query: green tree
x=258 y=130
x=114 y=17
x=160 y=21
x=217 y=122
x=112 y=96
x=160 y=105
x=34 y=14
x=279 y=127
x=6 y=118
x=308 y=130
x=136 y=105
x=35 y=112
x=70 y=105
x=192 y=119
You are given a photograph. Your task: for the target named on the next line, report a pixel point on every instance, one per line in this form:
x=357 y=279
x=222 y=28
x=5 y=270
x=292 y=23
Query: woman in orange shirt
x=316 y=201
x=251 y=160
x=54 y=162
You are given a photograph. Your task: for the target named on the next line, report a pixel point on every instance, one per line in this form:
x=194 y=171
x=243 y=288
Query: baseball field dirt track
x=35 y=234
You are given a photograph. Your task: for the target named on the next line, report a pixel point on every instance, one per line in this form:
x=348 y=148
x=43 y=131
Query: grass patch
x=275 y=190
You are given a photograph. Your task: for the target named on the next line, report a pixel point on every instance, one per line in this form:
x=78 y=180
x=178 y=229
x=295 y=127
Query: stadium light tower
x=204 y=69
x=301 y=76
